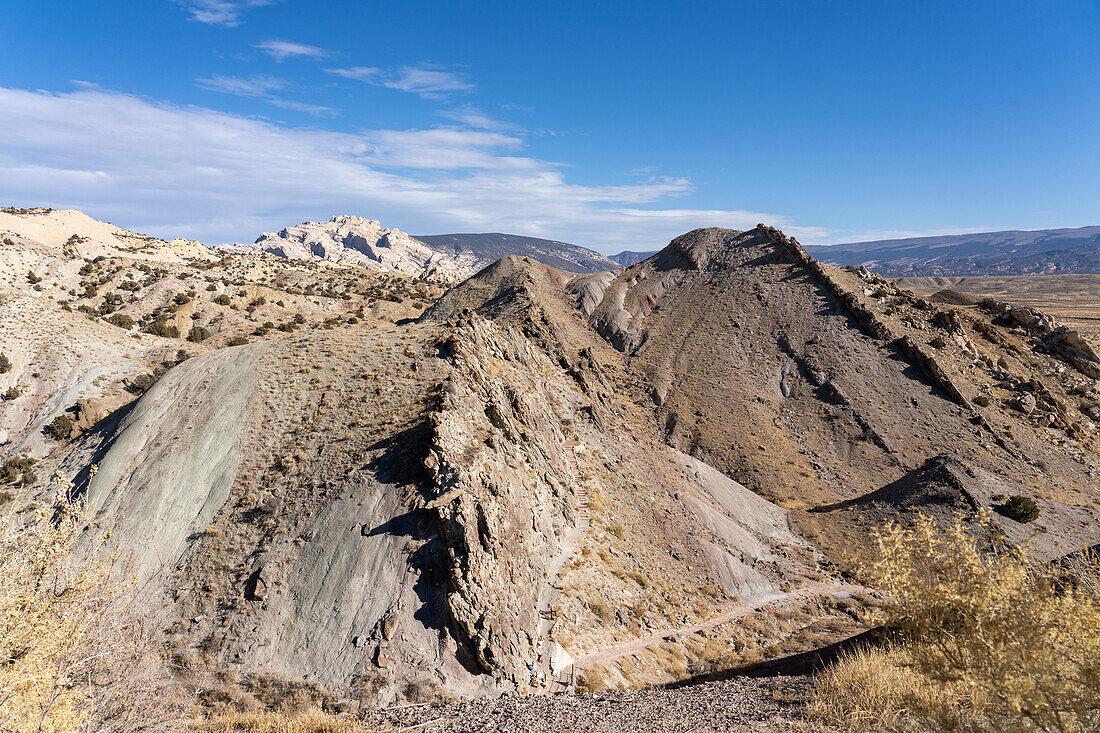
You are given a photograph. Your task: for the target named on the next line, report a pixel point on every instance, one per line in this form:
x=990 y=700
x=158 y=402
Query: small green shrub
x=121 y=320
x=981 y=400
x=61 y=428
x=140 y=384
x=937 y=342
x=222 y=299
x=161 y=327
x=1022 y=509
x=32 y=278
x=198 y=333
x=11 y=394
x=5 y=364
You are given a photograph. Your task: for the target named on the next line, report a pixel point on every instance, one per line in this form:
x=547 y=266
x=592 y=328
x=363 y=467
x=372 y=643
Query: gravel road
x=761 y=705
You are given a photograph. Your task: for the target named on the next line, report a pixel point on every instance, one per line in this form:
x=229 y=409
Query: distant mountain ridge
x=490 y=247
x=1039 y=252
x=626 y=258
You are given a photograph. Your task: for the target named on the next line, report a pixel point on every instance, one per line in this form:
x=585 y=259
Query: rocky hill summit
x=365 y=242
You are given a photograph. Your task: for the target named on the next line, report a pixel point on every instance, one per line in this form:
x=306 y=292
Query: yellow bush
x=77 y=653
x=1014 y=642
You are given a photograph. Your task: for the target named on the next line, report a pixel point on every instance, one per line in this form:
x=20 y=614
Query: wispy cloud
x=474 y=117
x=243 y=86
x=260 y=86
x=202 y=173
x=432 y=82
x=221 y=12
x=281 y=50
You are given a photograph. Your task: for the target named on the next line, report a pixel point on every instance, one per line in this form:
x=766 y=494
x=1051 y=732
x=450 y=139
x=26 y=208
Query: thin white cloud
x=206 y=174
x=243 y=86
x=261 y=87
x=221 y=12
x=474 y=117
x=431 y=82
x=281 y=50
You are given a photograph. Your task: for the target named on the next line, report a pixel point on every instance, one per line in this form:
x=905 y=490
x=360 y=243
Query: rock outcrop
x=359 y=241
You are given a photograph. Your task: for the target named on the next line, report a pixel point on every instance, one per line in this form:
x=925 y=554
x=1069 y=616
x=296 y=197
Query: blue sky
x=611 y=124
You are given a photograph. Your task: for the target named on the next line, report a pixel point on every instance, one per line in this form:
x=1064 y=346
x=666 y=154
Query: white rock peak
x=360 y=241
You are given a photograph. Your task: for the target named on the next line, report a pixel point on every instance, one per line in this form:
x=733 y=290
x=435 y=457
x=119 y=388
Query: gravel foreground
x=739 y=704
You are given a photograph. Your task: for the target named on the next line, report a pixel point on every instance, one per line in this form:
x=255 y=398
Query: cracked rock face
x=502 y=497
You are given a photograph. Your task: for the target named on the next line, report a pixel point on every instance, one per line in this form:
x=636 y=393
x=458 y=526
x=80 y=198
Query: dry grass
x=872 y=689
x=991 y=641
x=78 y=652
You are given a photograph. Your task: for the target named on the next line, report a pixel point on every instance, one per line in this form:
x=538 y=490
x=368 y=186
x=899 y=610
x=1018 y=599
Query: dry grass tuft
x=872 y=689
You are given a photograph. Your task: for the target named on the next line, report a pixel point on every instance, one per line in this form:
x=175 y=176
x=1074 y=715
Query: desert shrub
x=1020 y=508
x=11 y=393
x=198 y=333
x=5 y=364
x=79 y=652
x=139 y=384
x=937 y=342
x=1010 y=644
x=18 y=470
x=601 y=609
x=121 y=320
x=61 y=428
x=238 y=341
x=182 y=298
x=32 y=278
x=222 y=299
x=982 y=400
x=161 y=327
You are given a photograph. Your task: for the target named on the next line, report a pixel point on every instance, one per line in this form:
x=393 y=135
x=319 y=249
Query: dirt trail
x=638 y=645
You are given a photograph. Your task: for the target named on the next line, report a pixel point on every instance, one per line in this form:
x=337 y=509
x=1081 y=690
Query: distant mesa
x=489 y=248
x=627 y=258
x=1040 y=252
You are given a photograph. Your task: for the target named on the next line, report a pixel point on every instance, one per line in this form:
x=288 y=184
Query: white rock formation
x=360 y=241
